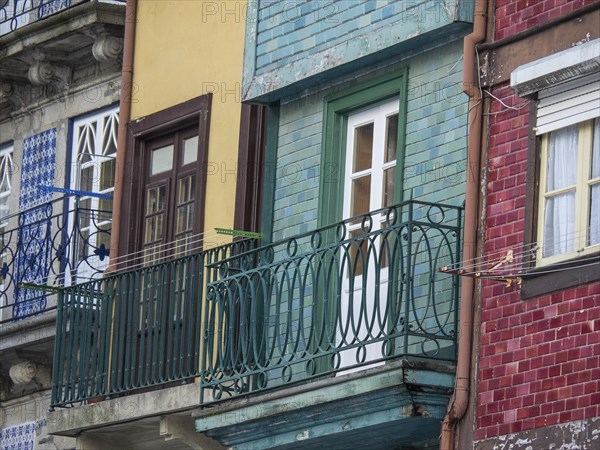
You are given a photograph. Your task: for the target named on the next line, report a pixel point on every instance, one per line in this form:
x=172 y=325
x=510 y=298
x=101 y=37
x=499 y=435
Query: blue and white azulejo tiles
x=34 y=246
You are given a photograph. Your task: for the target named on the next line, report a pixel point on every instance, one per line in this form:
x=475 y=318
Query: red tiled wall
x=513 y=16
x=538 y=358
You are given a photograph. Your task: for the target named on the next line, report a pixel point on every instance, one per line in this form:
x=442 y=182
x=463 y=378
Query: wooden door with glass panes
x=169 y=228
x=370 y=174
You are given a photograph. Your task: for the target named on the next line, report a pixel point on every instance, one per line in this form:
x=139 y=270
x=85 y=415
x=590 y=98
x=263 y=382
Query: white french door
x=94 y=148
x=370 y=173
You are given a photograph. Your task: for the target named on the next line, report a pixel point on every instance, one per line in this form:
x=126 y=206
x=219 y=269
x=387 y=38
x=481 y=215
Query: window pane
x=85 y=204
x=105 y=204
x=154 y=228
x=87 y=179
x=155 y=199
x=107 y=174
x=87 y=142
x=4 y=210
x=594 y=222
x=186 y=189
x=103 y=237
x=363 y=147
x=6 y=169
x=162 y=160
x=361 y=195
x=559 y=224
x=190 y=150
x=109 y=138
x=185 y=216
x=84 y=246
x=358 y=253
x=596 y=150
x=389 y=185
x=391 y=138
x=562 y=158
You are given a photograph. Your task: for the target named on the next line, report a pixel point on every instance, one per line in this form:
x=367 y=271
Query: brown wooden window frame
x=192 y=113
x=551 y=277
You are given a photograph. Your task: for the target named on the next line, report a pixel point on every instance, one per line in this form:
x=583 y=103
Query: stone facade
x=43 y=92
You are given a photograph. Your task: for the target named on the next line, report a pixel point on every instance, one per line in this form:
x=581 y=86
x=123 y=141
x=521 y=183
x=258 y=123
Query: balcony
x=18 y=13
x=332 y=301
x=353 y=312
x=135 y=330
x=52 y=48
x=52 y=246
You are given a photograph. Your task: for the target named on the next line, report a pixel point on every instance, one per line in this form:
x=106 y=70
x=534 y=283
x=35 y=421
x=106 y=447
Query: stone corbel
x=25 y=372
x=107 y=47
x=42 y=72
x=14 y=94
x=181 y=428
x=4 y=388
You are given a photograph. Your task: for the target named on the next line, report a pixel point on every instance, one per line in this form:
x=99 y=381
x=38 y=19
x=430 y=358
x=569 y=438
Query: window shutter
x=568 y=103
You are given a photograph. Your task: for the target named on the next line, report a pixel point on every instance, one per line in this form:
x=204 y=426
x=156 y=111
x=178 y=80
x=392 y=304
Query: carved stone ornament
x=41 y=73
x=6 y=89
x=107 y=47
x=23 y=373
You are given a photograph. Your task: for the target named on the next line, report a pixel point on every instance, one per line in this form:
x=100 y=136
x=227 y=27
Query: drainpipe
x=124 y=117
x=460 y=398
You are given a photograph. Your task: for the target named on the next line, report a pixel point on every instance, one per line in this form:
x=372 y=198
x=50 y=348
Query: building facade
x=538 y=349
x=60 y=69
x=423 y=180
x=345 y=331
x=128 y=358
x=336 y=328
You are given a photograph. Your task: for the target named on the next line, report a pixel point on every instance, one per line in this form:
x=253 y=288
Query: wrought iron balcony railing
x=133 y=330
x=51 y=246
x=334 y=300
x=17 y=13
x=244 y=319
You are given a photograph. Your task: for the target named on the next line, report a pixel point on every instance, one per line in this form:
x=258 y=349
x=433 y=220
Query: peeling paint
x=577 y=435
x=586 y=39
x=302 y=436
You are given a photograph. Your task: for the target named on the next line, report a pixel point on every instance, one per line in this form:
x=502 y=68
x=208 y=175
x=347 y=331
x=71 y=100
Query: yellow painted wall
x=186 y=48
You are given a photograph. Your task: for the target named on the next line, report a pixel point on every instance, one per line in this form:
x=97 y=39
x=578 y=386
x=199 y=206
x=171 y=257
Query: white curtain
x=594 y=236
x=559 y=220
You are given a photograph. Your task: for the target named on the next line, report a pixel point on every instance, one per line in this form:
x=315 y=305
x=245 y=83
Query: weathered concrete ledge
x=316 y=412
x=387 y=375
x=24 y=332
x=161 y=402
x=71 y=19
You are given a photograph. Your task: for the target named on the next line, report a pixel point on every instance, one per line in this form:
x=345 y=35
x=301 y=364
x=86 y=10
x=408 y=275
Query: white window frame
x=568 y=86
x=6 y=168
x=378 y=115
x=91 y=136
x=582 y=196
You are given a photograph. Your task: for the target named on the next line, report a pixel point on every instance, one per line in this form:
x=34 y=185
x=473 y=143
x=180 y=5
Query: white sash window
x=569 y=202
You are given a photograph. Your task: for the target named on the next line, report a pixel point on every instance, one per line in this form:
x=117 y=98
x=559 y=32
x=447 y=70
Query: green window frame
x=333 y=147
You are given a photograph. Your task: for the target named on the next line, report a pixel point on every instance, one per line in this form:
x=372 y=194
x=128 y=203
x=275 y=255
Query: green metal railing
x=243 y=319
x=344 y=297
x=133 y=330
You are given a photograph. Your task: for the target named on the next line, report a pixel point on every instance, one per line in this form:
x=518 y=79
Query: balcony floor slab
x=384 y=407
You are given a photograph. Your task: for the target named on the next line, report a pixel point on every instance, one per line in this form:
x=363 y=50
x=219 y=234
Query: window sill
x=566 y=274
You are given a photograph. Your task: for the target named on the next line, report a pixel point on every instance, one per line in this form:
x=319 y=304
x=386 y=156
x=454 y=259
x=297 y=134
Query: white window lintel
x=556 y=68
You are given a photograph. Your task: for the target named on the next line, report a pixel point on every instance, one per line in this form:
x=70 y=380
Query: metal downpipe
x=460 y=398
x=124 y=117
